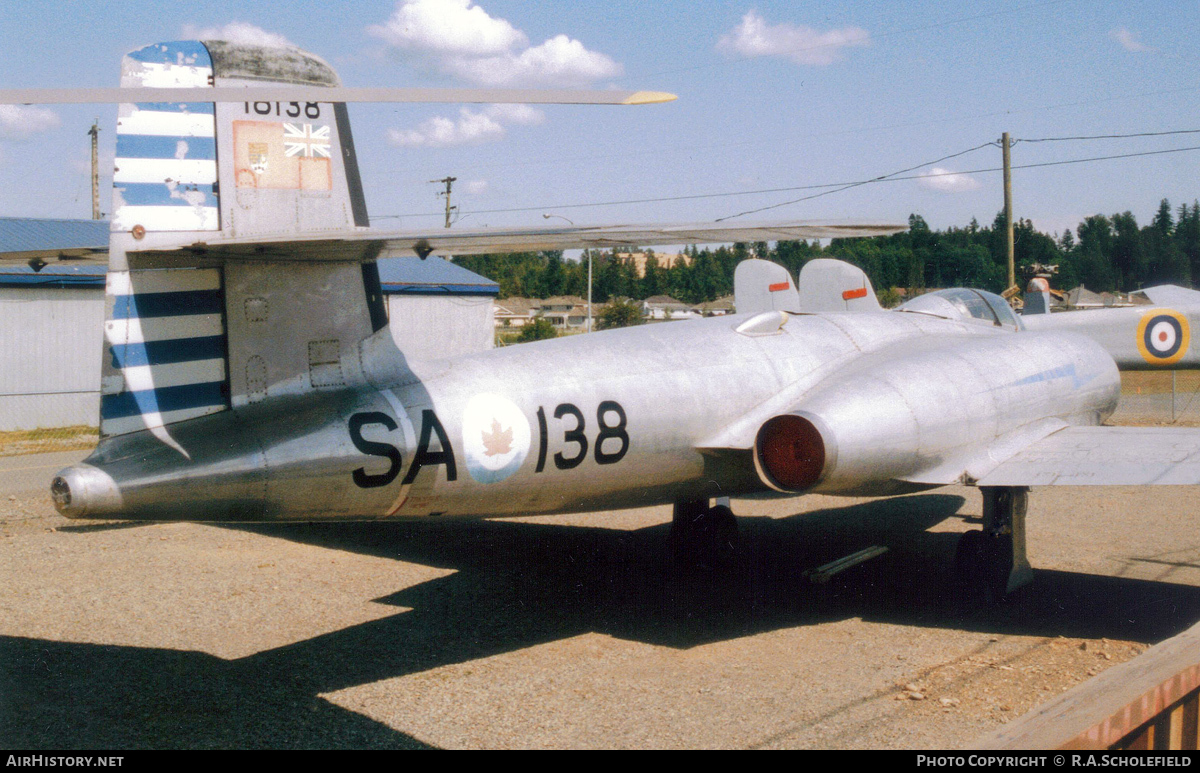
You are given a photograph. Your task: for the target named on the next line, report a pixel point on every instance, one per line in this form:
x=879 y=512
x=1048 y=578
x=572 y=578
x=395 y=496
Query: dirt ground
x=570 y=631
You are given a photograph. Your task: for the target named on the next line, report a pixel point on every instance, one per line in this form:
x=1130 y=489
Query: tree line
x=1104 y=253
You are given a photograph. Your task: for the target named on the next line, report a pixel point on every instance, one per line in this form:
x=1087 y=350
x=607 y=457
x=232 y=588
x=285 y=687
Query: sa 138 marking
x=608 y=445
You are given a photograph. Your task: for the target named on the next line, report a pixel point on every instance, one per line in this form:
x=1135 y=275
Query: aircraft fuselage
x=622 y=418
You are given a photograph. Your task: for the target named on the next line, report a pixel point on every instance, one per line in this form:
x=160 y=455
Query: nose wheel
x=702 y=536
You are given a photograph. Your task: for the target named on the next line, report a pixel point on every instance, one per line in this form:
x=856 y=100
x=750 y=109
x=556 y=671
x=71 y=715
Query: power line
x=939 y=121
x=893 y=177
x=881 y=178
x=694 y=196
x=890 y=178
x=1109 y=136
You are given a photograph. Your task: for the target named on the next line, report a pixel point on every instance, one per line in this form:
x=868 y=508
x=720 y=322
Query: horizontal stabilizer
x=364 y=245
x=1171 y=295
x=288 y=93
x=1105 y=456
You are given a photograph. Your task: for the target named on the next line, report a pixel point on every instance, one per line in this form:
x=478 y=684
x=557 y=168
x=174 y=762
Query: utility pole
x=1008 y=215
x=448 y=181
x=95 y=134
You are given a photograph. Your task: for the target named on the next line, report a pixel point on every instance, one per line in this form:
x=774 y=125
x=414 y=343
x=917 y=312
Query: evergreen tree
x=1094 y=266
x=555 y=275
x=1127 y=255
x=653 y=282
x=1187 y=237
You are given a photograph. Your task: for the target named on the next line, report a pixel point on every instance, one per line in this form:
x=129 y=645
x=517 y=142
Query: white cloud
x=460 y=39
x=469 y=128
x=454 y=27
x=18 y=122
x=522 y=115
x=237 y=32
x=1129 y=41
x=560 y=61
x=945 y=181
x=803 y=45
x=477 y=187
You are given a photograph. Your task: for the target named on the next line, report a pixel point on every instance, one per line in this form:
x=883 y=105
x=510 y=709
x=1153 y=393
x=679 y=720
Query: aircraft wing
x=290 y=92
x=1104 y=456
x=368 y=244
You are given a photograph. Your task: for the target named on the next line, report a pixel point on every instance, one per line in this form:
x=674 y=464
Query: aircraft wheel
x=969 y=556
x=722 y=533
x=983 y=562
x=703 y=537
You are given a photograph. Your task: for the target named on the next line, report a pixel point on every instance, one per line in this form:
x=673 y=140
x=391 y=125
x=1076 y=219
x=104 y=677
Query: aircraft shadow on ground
x=517 y=585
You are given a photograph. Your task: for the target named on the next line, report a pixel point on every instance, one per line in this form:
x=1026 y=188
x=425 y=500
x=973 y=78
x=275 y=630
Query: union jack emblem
x=305 y=140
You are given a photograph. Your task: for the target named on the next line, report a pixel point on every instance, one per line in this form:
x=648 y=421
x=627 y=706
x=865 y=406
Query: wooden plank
x=1191 y=722
x=1102 y=711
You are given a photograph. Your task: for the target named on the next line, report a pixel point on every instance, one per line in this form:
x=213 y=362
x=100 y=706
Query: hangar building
x=52 y=318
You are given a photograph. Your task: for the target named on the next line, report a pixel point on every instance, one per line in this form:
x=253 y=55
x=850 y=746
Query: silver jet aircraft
x=249 y=373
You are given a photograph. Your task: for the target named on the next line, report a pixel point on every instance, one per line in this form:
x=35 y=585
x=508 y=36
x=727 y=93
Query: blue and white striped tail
x=166 y=345
x=166 y=166
x=165 y=348
x=180 y=343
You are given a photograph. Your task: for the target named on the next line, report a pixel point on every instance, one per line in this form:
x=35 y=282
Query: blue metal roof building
x=27 y=238
x=432 y=275
x=54 y=275
x=52 y=318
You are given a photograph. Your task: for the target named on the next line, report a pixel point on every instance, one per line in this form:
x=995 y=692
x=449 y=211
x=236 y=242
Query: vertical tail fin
x=760 y=285
x=186 y=340
x=834 y=285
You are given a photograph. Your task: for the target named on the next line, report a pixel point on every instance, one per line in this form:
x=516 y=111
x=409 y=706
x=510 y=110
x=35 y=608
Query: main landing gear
x=703 y=537
x=993 y=561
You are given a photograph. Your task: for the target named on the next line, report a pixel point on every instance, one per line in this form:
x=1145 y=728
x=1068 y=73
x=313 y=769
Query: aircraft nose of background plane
x=83 y=490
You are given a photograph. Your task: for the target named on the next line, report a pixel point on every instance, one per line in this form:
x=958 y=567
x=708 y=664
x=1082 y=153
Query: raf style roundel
x=496 y=437
x=1163 y=337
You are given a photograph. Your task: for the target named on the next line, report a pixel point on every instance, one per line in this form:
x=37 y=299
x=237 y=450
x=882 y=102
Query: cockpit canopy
x=965 y=304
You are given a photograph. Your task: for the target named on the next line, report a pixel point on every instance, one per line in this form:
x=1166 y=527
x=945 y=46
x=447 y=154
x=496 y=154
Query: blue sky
x=771 y=95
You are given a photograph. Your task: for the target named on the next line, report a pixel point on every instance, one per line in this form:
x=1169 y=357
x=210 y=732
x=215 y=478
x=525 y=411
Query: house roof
x=724 y=302
x=562 y=300
x=665 y=302
x=518 y=306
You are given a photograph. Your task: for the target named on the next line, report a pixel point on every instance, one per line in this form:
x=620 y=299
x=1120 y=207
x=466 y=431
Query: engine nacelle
x=890 y=421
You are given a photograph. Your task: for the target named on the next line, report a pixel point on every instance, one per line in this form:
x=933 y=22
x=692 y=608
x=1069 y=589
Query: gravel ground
x=569 y=631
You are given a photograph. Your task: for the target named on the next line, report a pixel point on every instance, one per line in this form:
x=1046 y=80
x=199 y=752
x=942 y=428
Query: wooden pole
x=1008 y=213
x=449 y=181
x=95 y=133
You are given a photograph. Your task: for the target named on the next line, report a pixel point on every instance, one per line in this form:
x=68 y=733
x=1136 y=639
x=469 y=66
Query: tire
x=983 y=563
x=707 y=540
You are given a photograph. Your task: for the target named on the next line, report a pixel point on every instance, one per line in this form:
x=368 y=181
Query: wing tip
x=649 y=98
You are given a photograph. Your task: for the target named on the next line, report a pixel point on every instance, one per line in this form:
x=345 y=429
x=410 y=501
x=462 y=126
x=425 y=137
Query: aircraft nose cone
x=82 y=491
